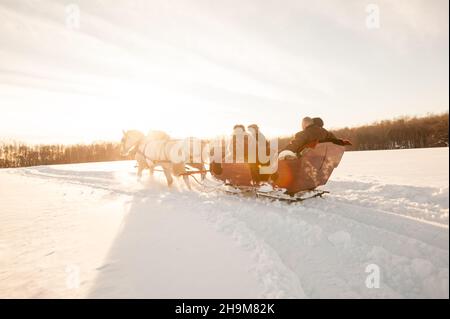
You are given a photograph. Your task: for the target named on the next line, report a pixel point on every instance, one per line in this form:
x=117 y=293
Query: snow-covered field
x=92 y=230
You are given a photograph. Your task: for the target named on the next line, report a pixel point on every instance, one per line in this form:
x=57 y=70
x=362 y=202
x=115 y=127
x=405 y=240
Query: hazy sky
x=196 y=67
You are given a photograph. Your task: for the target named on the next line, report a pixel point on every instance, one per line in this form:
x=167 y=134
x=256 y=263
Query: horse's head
x=124 y=149
x=130 y=140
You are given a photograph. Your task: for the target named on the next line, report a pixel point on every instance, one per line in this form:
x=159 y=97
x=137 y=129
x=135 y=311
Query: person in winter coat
x=238 y=147
x=258 y=138
x=255 y=161
x=235 y=150
x=312 y=133
x=319 y=122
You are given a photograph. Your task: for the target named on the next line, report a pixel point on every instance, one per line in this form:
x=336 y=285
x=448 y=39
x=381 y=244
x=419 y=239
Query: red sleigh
x=311 y=170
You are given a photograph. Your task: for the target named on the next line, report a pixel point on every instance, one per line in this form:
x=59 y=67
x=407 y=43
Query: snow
x=340 y=238
x=94 y=231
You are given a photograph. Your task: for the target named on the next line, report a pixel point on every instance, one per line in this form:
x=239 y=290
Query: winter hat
x=318 y=121
x=306 y=122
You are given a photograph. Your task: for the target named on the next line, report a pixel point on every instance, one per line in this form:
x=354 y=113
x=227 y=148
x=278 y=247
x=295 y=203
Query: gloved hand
x=347 y=142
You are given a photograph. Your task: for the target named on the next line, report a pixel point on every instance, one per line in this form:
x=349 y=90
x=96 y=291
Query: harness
x=137 y=150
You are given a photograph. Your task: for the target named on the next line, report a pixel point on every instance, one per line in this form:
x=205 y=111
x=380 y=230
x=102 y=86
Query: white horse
x=157 y=149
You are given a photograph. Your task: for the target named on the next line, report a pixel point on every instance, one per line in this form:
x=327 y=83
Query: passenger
x=255 y=161
x=234 y=151
x=311 y=134
x=257 y=136
x=238 y=148
x=319 y=122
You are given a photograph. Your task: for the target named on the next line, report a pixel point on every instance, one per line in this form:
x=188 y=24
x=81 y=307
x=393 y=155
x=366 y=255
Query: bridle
x=133 y=149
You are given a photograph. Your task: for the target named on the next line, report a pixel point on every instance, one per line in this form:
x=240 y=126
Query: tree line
x=401 y=133
x=21 y=155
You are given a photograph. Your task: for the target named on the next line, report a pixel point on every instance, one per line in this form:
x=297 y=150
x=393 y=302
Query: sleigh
x=294 y=176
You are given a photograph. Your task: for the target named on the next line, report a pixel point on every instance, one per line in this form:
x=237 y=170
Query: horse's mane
x=134 y=132
x=158 y=135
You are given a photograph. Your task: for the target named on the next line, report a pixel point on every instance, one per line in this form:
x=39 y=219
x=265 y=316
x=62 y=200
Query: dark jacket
x=255 y=138
x=311 y=134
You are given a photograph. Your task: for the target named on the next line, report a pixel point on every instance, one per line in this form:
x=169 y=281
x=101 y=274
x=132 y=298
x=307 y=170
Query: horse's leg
x=180 y=170
x=141 y=167
x=151 y=170
x=151 y=167
x=168 y=174
x=187 y=181
x=203 y=168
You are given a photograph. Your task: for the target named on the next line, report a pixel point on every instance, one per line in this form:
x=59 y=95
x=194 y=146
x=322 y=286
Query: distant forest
x=402 y=133
x=20 y=155
x=406 y=132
